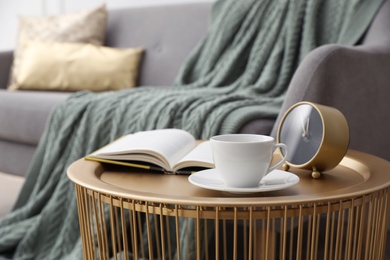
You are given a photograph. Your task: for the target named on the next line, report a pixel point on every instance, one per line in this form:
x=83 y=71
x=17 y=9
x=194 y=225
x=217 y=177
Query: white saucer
x=210 y=179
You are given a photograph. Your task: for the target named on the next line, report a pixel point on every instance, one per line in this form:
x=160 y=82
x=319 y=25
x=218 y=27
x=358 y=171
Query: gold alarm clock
x=317 y=137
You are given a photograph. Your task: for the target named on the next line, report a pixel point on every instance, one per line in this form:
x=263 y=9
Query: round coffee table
x=131 y=213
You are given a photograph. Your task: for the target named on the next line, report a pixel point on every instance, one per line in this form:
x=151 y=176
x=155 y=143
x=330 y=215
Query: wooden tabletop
x=357 y=174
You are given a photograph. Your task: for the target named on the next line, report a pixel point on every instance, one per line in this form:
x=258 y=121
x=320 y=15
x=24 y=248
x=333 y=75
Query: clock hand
x=307 y=127
x=304 y=133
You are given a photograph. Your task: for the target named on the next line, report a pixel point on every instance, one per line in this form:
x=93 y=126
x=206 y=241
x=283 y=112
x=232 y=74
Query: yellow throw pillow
x=75 y=66
x=87 y=26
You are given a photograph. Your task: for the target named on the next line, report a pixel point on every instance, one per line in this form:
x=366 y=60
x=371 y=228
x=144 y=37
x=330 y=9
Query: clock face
x=302 y=131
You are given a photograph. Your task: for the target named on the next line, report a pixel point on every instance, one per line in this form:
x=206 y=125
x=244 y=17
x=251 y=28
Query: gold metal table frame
x=134 y=214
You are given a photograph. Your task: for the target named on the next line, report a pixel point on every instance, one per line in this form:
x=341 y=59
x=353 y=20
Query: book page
x=169 y=145
x=201 y=156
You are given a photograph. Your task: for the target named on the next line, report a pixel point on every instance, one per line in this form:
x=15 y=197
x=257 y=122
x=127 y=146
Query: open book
x=168 y=150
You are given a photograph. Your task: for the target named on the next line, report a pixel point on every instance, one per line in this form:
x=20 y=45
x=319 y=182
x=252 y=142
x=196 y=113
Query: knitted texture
x=238 y=73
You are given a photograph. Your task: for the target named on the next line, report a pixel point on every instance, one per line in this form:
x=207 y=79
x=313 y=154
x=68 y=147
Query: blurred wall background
x=11 y=9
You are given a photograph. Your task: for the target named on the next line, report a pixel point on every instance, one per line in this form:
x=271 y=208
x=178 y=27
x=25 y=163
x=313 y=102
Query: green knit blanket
x=238 y=73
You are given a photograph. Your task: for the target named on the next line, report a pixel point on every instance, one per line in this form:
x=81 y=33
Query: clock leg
x=285 y=167
x=315 y=174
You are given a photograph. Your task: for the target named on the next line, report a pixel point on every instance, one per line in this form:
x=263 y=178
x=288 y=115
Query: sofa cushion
x=77 y=66
x=169 y=33
x=26 y=113
x=15 y=157
x=87 y=26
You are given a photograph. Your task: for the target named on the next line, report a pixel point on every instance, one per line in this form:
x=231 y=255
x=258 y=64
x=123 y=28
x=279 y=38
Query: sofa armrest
x=356 y=81
x=6 y=58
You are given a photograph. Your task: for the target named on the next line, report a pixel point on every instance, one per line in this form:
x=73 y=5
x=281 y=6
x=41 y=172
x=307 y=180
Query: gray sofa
x=23 y=114
x=353 y=79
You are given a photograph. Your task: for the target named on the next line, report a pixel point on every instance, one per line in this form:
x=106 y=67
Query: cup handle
x=282 y=146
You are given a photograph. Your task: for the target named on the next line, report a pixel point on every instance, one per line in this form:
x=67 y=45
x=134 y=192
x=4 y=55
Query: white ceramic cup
x=242 y=160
